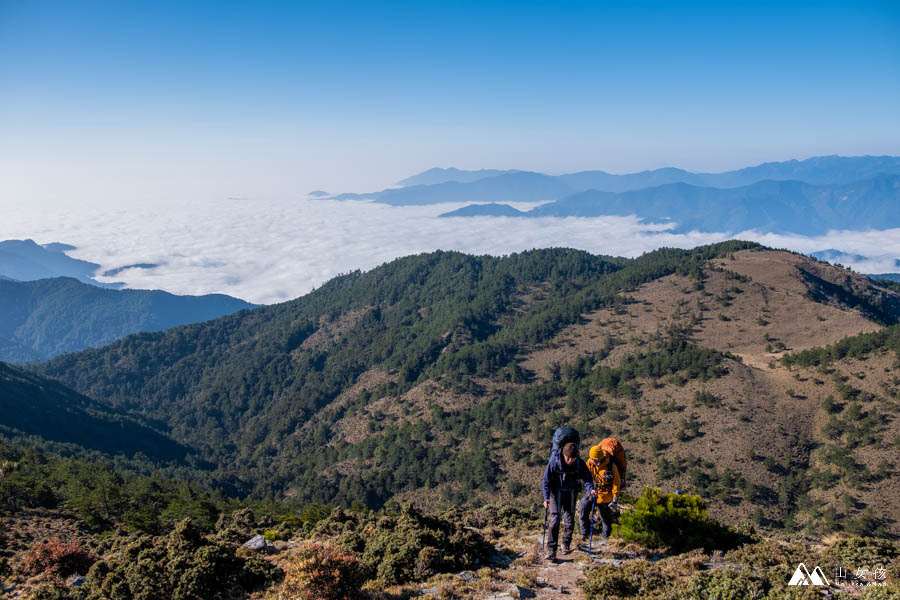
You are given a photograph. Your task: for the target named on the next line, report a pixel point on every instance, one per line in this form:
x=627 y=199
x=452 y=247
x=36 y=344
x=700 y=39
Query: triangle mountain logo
x=803 y=577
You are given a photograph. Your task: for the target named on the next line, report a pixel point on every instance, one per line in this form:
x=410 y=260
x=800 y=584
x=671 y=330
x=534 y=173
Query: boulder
x=259 y=543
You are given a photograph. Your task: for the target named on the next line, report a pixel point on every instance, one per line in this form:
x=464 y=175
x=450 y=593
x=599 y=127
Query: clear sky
x=137 y=100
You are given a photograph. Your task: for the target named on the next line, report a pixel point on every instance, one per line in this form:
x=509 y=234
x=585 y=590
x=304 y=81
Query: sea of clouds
x=267 y=251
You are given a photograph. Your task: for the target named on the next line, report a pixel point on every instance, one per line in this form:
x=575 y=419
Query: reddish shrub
x=58 y=558
x=322 y=572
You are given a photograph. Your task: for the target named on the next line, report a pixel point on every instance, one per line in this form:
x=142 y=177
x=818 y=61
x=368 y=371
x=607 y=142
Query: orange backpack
x=616 y=450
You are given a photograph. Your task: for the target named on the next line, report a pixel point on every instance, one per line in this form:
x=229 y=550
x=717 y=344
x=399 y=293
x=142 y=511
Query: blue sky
x=145 y=99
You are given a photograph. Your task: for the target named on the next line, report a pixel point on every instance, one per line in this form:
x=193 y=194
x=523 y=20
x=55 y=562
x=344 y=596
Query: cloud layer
x=268 y=251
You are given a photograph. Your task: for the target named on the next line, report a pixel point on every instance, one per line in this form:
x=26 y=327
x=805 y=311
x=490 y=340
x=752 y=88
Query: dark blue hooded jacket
x=559 y=476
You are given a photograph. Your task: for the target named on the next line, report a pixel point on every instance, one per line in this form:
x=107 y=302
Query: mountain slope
x=31 y=405
x=440 y=377
x=48 y=317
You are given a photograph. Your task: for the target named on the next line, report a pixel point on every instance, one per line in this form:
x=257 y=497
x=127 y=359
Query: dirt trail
x=545 y=580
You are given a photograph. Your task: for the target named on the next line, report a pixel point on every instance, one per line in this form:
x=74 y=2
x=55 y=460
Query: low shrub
x=770 y=553
x=855 y=552
x=879 y=593
x=322 y=571
x=636 y=579
x=862 y=551
x=744 y=584
x=238 y=527
x=181 y=566
x=686 y=577
x=406 y=546
x=52 y=591
x=274 y=535
x=724 y=584
x=57 y=558
x=494 y=515
x=676 y=521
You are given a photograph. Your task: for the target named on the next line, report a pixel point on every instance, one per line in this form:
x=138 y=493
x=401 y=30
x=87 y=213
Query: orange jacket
x=606 y=479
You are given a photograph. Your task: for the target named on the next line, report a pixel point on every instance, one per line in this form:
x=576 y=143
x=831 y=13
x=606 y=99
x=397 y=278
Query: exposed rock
x=259 y=543
x=521 y=592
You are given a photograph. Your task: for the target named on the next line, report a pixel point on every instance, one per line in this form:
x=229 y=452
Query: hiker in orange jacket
x=607 y=483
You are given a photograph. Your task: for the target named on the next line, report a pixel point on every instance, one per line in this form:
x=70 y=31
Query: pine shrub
x=676 y=521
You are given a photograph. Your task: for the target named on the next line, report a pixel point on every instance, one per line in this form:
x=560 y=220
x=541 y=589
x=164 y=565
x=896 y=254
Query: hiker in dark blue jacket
x=561 y=486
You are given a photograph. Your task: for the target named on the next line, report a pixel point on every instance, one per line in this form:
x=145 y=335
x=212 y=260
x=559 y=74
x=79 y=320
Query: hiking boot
x=551 y=555
x=566 y=549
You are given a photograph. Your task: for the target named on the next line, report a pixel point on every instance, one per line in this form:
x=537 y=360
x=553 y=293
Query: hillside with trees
x=763 y=382
x=49 y=317
x=441 y=376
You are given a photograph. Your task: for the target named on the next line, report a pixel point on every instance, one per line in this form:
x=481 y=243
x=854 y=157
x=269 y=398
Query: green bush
x=273 y=535
x=676 y=521
x=855 y=552
x=238 y=527
x=494 y=515
x=632 y=580
x=181 y=566
x=745 y=584
x=407 y=546
x=725 y=584
x=880 y=593
x=770 y=553
x=54 y=591
x=862 y=551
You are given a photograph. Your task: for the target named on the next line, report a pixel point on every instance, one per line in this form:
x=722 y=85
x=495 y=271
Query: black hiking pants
x=562 y=502
x=602 y=518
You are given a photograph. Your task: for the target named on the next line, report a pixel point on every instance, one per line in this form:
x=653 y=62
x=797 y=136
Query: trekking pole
x=544 y=535
x=591 y=540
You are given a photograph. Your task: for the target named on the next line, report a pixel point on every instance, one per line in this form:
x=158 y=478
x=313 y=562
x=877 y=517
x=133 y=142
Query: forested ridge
x=422 y=380
x=239 y=390
x=49 y=317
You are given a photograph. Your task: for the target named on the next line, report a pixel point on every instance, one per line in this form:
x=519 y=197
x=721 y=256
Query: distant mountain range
x=25 y=260
x=819 y=170
x=519 y=186
x=777 y=206
x=808 y=197
x=439 y=175
x=48 y=317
